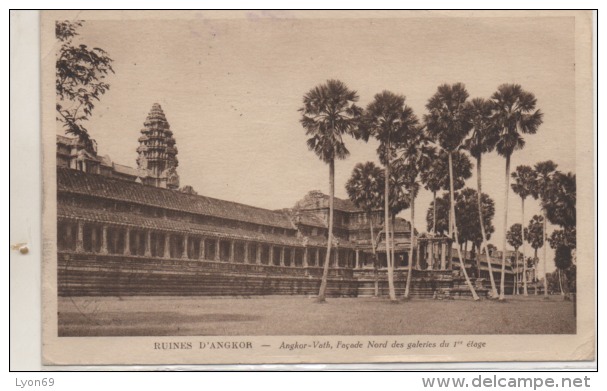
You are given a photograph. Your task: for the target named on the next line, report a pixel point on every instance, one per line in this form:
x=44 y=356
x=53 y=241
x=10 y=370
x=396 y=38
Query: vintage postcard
x=260 y=187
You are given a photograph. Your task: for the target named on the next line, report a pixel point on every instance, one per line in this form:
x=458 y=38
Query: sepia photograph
x=284 y=186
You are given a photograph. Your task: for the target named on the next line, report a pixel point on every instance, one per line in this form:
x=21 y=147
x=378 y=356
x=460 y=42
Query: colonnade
x=105 y=239
x=429 y=254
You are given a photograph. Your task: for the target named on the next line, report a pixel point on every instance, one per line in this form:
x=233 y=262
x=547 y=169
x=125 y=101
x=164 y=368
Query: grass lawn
x=288 y=315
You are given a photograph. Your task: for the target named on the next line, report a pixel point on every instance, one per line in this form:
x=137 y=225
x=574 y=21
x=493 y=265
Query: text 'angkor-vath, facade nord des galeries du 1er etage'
x=134 y=231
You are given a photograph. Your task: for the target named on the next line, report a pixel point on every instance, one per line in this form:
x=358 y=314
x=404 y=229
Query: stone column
x=115 y=241
x=437 y=255
x=184 y=253
x=443 y=262
x=137 y=243
x=356 y=264
x=258 y=254
x=282 y=256
x=80 y=237
x=94 y=239
x=201 y=249
x=104 y=240
x=305 y=257
x=418 y=263
x=167 y=245
x=217 y=249
x=271 y=255
x=127 y=242
x=449 y=254
x=148 y=244
x=68 y=235
x=246 y=252
x=336 y=261
x=293 y=251
x=231 y=251
x=318 y=261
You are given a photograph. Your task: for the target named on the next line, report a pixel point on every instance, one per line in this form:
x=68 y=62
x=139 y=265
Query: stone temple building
x=135 y=231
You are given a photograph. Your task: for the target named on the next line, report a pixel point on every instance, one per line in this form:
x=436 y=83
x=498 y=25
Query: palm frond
x=328 y=113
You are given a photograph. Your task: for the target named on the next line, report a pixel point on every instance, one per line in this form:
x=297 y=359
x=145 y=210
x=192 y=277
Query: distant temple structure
x=156 y=161
x=133 y=231
x=157 y=151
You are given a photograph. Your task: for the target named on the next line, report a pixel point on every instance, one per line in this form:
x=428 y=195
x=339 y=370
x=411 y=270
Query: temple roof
x=122 y=169
x=137 y=221
x=318 y=200
x=496 y=261
x=312 y=220
x=401 y=225
x=78 y=182
x=304 y=217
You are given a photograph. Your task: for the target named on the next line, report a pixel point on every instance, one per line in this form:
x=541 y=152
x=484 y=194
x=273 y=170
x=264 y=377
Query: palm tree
x=563 y=237
x=515 y=239
x=563 y=261
x=560 y=202
x=534 y=236
x=533 y=233
x=406 y=181
x=437 y=216
x=435 y=175
x=432 y=178
x=544 y=174
x=560 y=207
x=514 y=114
x=563 y=241
x=447 y=123
x=328 y=113
x=524 y=179
x=466 y=212
x=482 y=140
x=399 y=198
x=468 y=216
x=416 y=156
x=389 y=120
x=365 y=190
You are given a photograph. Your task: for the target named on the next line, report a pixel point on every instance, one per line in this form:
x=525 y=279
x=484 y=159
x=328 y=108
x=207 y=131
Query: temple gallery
x=134 y=231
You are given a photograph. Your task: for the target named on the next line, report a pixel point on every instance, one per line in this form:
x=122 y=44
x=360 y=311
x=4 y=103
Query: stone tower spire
x=157 y=151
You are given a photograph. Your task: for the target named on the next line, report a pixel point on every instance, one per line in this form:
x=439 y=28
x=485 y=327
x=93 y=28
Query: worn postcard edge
x=138 y=350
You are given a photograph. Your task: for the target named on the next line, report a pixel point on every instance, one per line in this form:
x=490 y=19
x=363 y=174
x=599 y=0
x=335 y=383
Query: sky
x=231 y=90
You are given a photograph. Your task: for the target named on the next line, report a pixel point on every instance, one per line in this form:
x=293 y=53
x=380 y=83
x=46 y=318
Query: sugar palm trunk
x=412 y=246
x=483 y=235
x=450 y=229
x=393 y=242
x=434 y=213
x=516 y=274
x=536 y=262
x=391 y=290
x=452 y=207
x=506 y=191
x=523 y=248
x=325 y=273
x=561 y=283
x=535 y=271
x=544 y=250
x=475 y=249
x=375 y=276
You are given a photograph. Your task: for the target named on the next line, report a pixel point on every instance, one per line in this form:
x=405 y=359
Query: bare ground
x=162 y=316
